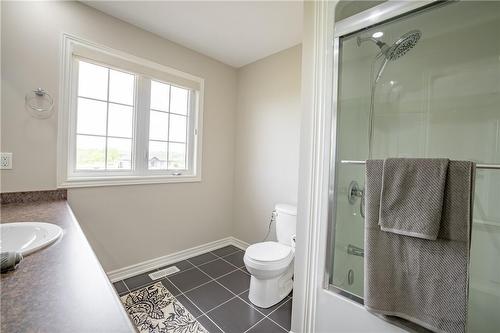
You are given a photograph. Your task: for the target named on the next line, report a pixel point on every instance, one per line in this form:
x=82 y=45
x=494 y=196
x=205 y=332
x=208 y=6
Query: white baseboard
x=148 y=265
x=239 y=243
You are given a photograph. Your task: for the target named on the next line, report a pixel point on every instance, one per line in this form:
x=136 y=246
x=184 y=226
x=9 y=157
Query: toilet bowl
x=271 y=263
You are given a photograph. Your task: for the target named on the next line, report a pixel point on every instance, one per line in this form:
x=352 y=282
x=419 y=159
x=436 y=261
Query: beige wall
x=267 y=141
x=244 y=174
x=124 y=224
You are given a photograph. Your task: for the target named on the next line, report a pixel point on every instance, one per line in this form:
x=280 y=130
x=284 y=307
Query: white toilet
x=271 y=263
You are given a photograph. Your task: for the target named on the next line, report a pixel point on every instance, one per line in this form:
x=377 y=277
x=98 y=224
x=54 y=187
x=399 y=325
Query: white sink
x=27 y=237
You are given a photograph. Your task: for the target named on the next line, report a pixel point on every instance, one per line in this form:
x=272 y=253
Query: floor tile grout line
x=220 y=283
x=204 y=263
x=221 y=304
x=286 y=300
x=240 y=267
x=271 y=319
x=228 y=256
x=268 y=315
x=211 y=252
x=198 y=286
x=124 y=293
x=183 y=294
x=257 y=323
x=123 y=281
x=218 y=258
x=251 y=305
x=202 y=313
x=265 y=316
x=188 y=260
x=234 y=270
x=168 y=278
x=211 y=280
x=237 y=250
x=237 y=296
x=201 y=285
x=190 y=268
x=215 y=307
x=204 y=283
x=213 y=322
x=215 y=280
x=230 y=263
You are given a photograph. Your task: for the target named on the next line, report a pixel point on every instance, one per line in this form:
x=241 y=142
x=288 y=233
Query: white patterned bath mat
x=154 y=309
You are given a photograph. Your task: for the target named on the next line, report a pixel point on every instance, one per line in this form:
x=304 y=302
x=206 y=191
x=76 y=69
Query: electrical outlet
x=5 y=161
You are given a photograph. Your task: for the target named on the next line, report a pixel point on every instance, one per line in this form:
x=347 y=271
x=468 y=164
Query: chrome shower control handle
x=354 y=191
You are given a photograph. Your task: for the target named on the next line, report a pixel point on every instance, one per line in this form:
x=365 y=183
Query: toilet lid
x=268 y=251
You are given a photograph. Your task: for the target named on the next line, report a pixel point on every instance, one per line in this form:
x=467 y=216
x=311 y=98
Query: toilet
x=271 y=263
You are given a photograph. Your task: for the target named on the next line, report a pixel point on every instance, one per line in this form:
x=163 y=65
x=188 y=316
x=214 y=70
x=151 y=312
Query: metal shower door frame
x=389 y=10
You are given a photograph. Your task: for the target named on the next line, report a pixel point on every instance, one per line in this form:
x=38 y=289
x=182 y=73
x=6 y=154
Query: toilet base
x=265 y=293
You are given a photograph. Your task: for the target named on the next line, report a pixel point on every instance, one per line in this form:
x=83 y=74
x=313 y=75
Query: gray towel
x=423 y=281
x=9 y=261
x=412 y=196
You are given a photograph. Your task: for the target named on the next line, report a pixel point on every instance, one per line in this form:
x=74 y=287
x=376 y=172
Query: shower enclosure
x=424 y=83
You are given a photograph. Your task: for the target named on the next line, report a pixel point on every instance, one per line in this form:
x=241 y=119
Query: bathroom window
x=168 y=126
x=104 y=118
x=128 y=121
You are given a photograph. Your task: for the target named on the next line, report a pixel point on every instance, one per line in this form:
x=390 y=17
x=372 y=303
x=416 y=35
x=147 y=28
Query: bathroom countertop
x=61 y=288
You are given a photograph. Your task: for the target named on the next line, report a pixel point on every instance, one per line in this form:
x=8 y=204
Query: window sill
x=126 y=180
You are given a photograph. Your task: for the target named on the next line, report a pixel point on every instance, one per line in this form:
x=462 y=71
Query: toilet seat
x=269 y=255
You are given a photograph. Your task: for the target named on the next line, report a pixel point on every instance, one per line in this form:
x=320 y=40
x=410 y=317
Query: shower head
x=404 y=44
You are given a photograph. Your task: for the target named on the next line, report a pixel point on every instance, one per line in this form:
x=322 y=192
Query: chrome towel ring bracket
x=39 y=103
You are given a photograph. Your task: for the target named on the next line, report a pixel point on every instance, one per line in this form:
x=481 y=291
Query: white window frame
x=68 y=177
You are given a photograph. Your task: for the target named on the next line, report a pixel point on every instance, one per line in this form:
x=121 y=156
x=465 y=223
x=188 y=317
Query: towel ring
x=39 y=103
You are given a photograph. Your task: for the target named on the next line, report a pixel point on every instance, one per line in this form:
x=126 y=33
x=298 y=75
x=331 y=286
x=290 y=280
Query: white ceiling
x=233 y=32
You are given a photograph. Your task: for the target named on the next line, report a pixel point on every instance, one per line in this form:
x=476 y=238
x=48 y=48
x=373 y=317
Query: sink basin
x=27 y=237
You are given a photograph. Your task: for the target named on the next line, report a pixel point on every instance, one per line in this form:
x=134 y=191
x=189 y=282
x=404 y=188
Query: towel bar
x=478 y=166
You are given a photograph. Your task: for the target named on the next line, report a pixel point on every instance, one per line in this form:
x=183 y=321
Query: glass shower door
x=438 y=96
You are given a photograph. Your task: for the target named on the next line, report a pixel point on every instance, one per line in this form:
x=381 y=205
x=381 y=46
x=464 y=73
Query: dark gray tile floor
x=214 y=288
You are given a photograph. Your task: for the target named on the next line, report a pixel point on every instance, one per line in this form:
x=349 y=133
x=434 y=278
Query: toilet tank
x=286 y=219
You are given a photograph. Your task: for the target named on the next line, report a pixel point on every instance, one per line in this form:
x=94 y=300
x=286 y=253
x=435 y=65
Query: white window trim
x=64 y=177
